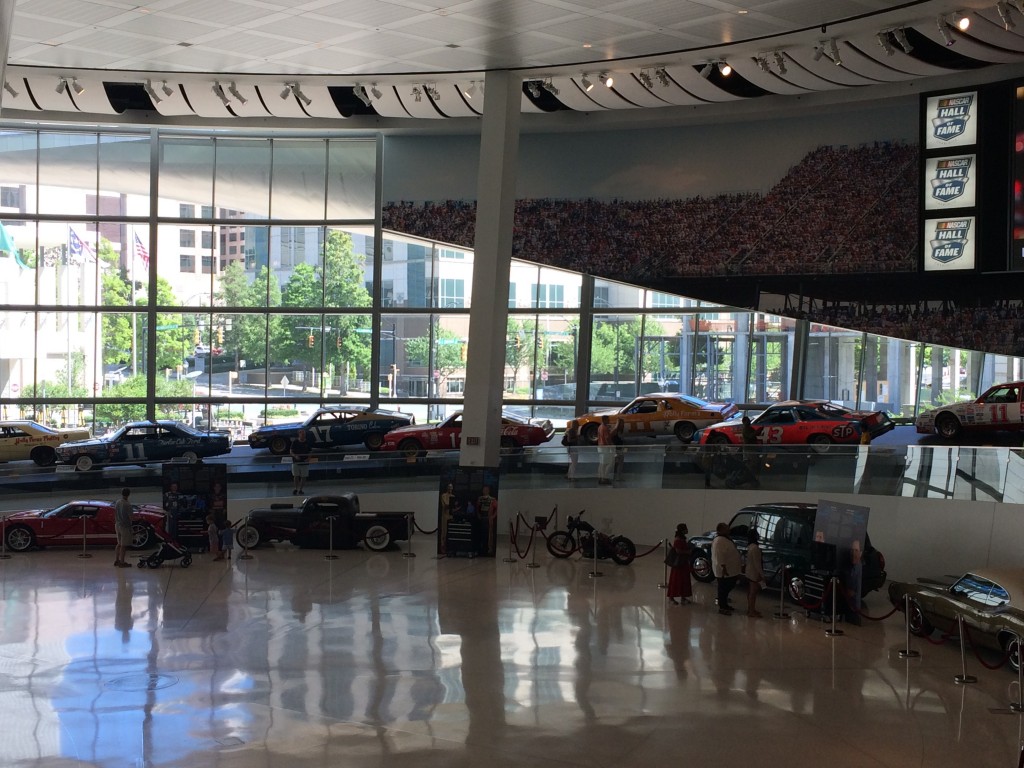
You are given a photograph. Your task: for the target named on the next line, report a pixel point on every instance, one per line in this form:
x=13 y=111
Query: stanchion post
x=330 y=532
x=511 y=538
x=907 y=652
x=410 y=527
x=664 y=570
x=963 y=678
x=782 y=613
x=1018 y=705
x=245 y=549
x=539 y=524
x=83 y=553
x=3 y=539
x=834 y=632
x=594 y=574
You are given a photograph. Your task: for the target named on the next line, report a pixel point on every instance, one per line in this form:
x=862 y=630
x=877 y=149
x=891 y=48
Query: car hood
x=271 y=429
x=413 y=429
x=88 y=443
x=26 y=514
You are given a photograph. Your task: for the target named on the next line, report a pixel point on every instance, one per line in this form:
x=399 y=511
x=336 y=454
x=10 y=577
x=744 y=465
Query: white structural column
x=6 y=23
x=488 y=314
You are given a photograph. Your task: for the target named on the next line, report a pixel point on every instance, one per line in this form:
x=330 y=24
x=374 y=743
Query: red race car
x=516 y=432
x=817 y=423
x=69 y=523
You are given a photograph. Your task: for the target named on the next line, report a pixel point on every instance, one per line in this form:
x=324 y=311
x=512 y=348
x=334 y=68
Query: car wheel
x=248 y=537
x=588 y=434
x=819 y=443
x=373 y=441
x=1011 y=645
x=409 y=448
x=43 y=455
x=186 y=561
x=84 y=463
x=20 y=538
x=377 y=538
x=948 y=426
x=795 y=587
x=279 y=445
x=560 y=544
x=684 y=431
x=717 y=438
x=190 y=456
x=142 y=536
x=700 y=564
x=919 y=625
x=623 y=550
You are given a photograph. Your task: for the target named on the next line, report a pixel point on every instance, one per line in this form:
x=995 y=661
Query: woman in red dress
x=680 y=590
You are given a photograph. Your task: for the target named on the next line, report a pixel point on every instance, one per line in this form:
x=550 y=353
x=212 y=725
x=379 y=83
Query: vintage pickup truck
x=312 y=522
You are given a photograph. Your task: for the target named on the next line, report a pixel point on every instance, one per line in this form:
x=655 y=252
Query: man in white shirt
x=726 y=564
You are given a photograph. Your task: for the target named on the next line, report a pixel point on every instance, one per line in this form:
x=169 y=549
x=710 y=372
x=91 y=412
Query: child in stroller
x=170 y=549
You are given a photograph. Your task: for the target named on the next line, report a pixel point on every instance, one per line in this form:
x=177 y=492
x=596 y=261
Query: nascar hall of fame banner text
x=950 y=182
x=949 y=244
x=951 y=120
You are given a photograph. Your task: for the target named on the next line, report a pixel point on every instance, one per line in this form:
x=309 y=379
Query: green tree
x=66 y=385
x=118 y=411
x=116 y=292
x=448 y=352
x=520 y=338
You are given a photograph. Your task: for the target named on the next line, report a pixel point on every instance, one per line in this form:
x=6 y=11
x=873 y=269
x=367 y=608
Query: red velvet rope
x=819 y=603
x=651 y=550
x=878 y=618
x=986 y=665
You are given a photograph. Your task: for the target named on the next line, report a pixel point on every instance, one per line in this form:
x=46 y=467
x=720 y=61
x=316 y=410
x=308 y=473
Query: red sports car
x=516 y=432
x=817 y=423
x=71 y=523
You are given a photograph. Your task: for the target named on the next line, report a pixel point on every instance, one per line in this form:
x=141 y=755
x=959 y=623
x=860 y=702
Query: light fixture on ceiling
x=168 y=91
x=1003 y=9
x=362 y=95
x=78 y=89
x=10 y=89
x=550 y=87
x=780 y=62
x=586 y=82
x=417 y=94
x=375 y=91
x=151 y=92
x=662 y=75
x=1019 y=5
x=470 y=91
x=943 y=26
x=306 y=101
x=533 y=87
x=833 y=51
x=287 y=91
x=705 y=71
x=233 y=90
x=762 y=62
x=901 y=37
x=607 y=79
x=962 y=21
x=819 y=51
x=432 y=92
x=883 y=40
x=218 y=91
x=724 y=68
x=62 y=85
x=645 y=79
x=294 y=89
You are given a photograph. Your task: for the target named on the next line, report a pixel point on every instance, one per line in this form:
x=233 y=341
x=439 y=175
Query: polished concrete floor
x=290 y=660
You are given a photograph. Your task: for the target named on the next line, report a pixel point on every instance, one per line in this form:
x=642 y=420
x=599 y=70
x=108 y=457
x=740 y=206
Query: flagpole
x=135 y=316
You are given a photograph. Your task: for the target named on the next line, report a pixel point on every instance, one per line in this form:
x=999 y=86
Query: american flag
x=140 y=251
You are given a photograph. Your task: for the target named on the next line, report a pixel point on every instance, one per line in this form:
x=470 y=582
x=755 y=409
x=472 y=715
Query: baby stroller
x=169 y=550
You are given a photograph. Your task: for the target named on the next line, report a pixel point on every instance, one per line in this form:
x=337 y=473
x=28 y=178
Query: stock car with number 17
x=516 y=432
x=332 y=427
x=142 y=442
x=817 y=423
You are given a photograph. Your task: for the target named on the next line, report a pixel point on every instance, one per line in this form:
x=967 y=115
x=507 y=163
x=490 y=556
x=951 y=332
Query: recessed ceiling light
x=586 y=45
x=743 y=12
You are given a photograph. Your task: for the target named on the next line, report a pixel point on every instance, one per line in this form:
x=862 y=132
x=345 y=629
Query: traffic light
x=220 y=337
x=195 y=337
x=337 y=343
x=311 y=341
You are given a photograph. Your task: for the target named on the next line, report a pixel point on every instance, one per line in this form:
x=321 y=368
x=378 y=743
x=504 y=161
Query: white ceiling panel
x=321 y=103
x=203 y=100
x=20 y=100
x=461 y=105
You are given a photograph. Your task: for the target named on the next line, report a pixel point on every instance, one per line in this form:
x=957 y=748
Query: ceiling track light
x=168 y=91
x=645 y=79
x=233 y=90
x=819 y=51
x=962 y=21
x=470 y=91
x=432 y=92
x=362 y=95
x=1003 y=9
x=833 y=51
x=62 y=85
x=662 y=75
x=724 y=68
x=943 y=26
x=151 y=92
x=705 y=71
x=883 y=40
x=306 y=101
x=375 y=91
x=78 y=89
x=533 y=86
x=780 y=62
x=417 y=94
x=550 y=87
x=607 y=79
x=588 y=84
x=10 y=89
x=762 y=62
x=901 y=38
x=218 y=91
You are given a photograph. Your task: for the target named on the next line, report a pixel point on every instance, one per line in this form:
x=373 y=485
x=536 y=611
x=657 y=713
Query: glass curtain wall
x=255 y=286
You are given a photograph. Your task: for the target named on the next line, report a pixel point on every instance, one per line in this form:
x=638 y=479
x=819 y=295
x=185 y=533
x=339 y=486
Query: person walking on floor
x=605 y=452
x=726 y=565
x=754 y=572
x=571 y=441
x=300 y=449
x=680 y=588
x=123 y=528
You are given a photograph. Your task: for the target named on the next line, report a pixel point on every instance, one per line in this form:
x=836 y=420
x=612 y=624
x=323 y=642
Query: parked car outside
x=786 y=532
x=998 y=409
x=142 y=442
x=333 y=427
x=990 y=600
x=817 y=423
x=76 y=521
x=516 y=432
x=662 y=413
x=22 y=439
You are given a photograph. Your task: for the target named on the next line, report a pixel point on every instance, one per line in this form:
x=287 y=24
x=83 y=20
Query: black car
x=786 y=533
x=320 y=520
x=332 y=427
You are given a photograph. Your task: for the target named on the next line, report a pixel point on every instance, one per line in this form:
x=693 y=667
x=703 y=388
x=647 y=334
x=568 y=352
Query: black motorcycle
x=580 y=536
